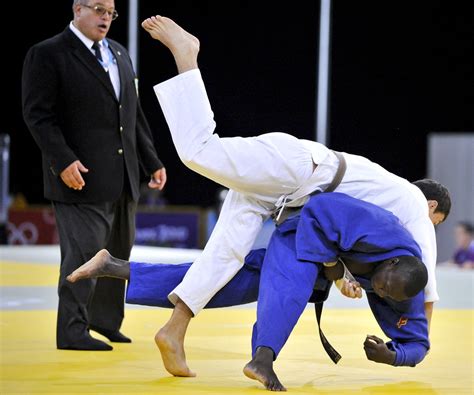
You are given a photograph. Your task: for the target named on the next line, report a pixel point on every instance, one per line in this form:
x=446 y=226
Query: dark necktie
x=96 y=49
x=98 y=55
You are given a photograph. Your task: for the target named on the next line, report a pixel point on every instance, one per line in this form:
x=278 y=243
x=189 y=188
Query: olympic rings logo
x=25 y=233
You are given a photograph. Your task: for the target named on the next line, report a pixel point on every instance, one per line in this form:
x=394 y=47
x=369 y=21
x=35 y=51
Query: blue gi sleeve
x=405 y=324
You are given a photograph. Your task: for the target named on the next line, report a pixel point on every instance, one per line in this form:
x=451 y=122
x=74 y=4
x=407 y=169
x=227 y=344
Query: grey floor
x=455 y=286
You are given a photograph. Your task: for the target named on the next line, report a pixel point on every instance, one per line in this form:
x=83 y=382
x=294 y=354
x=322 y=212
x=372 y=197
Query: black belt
x=287 y=212
x=320 y=294
x=341 y=170
x=330 y=350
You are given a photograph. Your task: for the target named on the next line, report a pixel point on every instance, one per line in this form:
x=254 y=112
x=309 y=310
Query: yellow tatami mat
x=14 y=274
x=218 y=346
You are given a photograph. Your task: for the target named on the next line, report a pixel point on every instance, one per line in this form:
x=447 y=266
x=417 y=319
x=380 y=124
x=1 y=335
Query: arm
x=405 y=324
x=40 y=84
x=158 y=179
x=151 y=164
x=145 y=145
x=335 y=271
x=424 y=234
x=320 y=236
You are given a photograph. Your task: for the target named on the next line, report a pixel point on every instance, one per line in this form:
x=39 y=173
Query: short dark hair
x=413 y=273
x=467 y=226
x=433 y=190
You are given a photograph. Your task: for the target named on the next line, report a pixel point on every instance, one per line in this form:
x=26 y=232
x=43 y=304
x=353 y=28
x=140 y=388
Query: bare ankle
x=265 y=355
x=183 y=309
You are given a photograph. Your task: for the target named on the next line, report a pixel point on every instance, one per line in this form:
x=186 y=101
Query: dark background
x=399 y=71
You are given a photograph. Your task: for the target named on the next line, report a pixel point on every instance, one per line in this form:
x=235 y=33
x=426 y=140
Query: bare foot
x=101 y=265
x=183 y=45
x=172 y=354
x=260 y=368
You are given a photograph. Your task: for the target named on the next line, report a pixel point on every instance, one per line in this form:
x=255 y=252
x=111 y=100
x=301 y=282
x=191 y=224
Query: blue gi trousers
x=282 y=275
x=150 y=284
x=286 y=285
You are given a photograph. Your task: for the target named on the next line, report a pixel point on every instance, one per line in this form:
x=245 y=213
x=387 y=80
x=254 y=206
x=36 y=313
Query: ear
x=394 y=261
x=76 y=9
x=432 y=204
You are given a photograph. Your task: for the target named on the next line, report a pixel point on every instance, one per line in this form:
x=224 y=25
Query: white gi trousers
x=264 y=173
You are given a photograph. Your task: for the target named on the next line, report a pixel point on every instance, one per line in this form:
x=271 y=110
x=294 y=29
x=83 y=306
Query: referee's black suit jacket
x=71 y=109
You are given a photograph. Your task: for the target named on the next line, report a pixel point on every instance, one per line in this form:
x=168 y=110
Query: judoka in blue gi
x=331 y=227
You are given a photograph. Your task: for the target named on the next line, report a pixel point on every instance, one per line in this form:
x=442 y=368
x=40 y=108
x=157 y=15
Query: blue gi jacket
x=335 y=225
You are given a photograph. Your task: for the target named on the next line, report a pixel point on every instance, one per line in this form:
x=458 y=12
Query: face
x=462 y=237
x=90 y=21
x=436 y=218
x=386 y=282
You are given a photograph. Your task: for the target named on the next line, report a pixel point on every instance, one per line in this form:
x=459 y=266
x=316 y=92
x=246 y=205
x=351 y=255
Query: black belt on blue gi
x=322 y=286
x=320 y=294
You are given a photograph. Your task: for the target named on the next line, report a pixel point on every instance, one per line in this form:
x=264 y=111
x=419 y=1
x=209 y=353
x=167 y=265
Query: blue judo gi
x=282 y=277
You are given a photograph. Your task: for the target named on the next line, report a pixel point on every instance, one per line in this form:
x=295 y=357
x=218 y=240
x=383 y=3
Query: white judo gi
x=262 y=174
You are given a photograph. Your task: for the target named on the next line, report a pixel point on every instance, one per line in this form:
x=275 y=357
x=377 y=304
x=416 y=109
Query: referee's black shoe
x=113 y=336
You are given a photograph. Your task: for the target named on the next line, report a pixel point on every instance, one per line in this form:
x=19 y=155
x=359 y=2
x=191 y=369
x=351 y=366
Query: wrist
x=333 y=272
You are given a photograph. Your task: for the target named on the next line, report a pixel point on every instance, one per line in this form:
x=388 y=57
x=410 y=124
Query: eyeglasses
x=101 y=11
